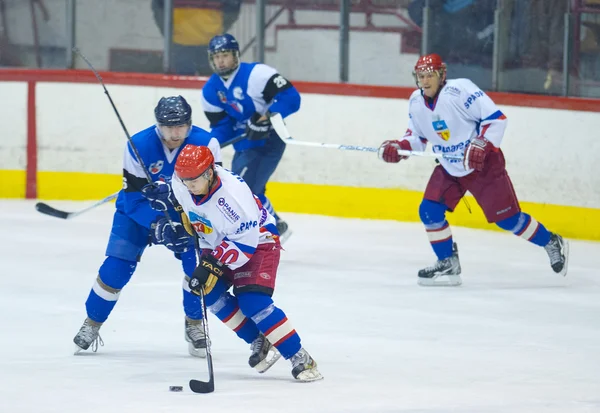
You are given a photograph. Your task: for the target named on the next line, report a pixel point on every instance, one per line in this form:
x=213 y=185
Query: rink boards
x=63 y=141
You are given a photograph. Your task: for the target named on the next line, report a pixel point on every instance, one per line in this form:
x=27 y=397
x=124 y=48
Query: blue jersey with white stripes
x=252 y=88
x=160 y=163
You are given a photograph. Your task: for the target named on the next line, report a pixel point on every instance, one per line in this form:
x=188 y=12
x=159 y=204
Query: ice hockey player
x=135 y=222
x=240 y=248
x=238 y=98
x=456 y=117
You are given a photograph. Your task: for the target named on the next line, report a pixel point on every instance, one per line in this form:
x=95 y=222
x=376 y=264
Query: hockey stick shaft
x=234 y=140
x=284 y=134
x=131 y=144
x=48 y=210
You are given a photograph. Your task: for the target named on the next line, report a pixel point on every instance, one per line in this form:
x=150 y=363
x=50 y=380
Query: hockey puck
x=175 y=388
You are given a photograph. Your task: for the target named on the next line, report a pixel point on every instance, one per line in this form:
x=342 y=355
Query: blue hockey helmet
x=224 y=43
x=173 y=111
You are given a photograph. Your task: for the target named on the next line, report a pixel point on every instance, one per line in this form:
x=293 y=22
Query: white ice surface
x=514 y=338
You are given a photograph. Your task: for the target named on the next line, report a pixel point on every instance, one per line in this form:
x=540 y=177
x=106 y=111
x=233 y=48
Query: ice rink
x=514 y=338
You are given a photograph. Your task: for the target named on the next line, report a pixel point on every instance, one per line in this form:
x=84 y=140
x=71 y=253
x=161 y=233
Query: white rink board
x=13 y=107
x=551 y=154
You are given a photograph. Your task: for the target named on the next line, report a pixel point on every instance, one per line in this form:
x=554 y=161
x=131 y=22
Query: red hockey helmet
x=431 y=63
x=193 y=161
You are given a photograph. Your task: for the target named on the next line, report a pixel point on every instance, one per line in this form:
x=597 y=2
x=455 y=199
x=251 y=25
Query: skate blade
x=441 y=281
x=196 y=352
x=77 y=350
x=309 y=375
x=269 y=361
x=563 y=272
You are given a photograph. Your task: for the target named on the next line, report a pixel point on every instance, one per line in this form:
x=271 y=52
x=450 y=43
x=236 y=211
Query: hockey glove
x=206 y=275
x=175 y=237
x=476 y=152
x=160 y=195
x=388 y=151
x=258 y=127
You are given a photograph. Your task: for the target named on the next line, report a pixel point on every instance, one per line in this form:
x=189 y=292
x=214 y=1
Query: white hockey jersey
x=460 y=113
x=228 y=220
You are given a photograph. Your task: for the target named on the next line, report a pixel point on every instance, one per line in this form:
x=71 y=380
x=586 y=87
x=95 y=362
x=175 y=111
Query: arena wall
x=62 y=140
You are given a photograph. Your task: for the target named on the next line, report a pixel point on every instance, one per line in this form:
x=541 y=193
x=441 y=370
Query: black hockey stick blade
x=53 y=212
x=198 y=386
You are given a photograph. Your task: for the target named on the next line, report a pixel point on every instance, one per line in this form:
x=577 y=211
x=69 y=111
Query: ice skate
x=194 y=335
x=444 y=272
x=88 y=336
x=264 y=354
x=558 y=252
x=284 y=231
x=304 y=367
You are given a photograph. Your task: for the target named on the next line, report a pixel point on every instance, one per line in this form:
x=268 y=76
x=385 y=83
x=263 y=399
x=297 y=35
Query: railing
x=503 y=45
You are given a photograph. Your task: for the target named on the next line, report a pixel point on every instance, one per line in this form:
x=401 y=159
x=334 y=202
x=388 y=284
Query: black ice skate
x=194 y=335
x=558 y=252
x=264 y=354
x=304 y=367
x=88 y=335
x=444 y=272
x=284 y=231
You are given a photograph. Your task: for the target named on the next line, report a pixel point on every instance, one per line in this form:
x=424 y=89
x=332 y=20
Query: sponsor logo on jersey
x=441 y=129
x=227 y=210
x=200 y=224
x=451 y=90
x=243 y=274
x=156 y=167
x=408 y=133
x=472 y=98
x=459 y=147
x=263 y=216
x=245 y=226
x=222 y=96
x=238 y=93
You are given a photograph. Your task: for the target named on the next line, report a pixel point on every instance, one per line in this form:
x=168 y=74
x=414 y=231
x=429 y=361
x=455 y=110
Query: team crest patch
x=200 y=224
x=441 y=129
x=156 y=167
x=222 y=96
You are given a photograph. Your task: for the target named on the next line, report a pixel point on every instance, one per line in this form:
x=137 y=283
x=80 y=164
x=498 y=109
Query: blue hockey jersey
x=253 y=87
x=160 y=162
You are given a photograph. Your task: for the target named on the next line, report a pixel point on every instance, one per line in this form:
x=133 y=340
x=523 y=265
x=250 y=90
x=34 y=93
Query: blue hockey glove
x=257 y=128
x=159 y=194
x=175 y=237
x=206 y=275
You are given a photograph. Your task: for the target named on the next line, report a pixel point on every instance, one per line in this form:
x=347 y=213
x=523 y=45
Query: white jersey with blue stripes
x=460 y=113
x=229 y=220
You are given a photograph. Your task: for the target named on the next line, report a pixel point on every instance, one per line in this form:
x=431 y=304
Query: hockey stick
x=234 y=140
x=53 y=212
x=284 y=134
x=198 y=386
x=202 y=387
